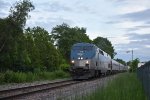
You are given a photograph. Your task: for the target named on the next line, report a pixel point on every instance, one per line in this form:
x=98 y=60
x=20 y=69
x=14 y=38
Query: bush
x=19 y=77
x=31 y=77
x=1 y=78
x=60 y=73
x=64 y=67
x=16 y=77
x=8 y=76
x=45 y=75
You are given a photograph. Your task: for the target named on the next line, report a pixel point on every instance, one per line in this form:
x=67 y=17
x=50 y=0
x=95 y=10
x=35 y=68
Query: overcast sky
x=126 y=23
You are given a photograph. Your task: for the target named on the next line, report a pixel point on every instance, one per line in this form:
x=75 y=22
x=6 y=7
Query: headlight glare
x=87 y=62
x=72 y=61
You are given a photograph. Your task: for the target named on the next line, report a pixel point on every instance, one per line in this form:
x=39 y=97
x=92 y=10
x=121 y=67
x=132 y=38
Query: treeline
x=35 y=49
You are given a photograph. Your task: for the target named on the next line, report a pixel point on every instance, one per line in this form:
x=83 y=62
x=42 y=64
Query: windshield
x=83 y=48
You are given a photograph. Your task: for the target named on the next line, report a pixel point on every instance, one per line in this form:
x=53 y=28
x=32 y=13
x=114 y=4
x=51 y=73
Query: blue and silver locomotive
x=87 y=61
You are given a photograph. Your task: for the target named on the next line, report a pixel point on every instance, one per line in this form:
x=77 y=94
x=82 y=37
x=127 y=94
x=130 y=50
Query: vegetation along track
x=23 y=91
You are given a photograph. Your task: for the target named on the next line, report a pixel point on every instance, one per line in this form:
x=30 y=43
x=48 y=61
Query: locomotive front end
x=80 y=64
x=81 y=56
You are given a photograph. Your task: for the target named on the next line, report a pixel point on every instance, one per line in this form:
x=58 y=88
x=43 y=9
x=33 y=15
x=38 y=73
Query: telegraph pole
x=132 y=55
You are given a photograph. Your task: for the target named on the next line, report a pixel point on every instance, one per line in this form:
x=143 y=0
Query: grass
x=20 y=77
x=125 y=87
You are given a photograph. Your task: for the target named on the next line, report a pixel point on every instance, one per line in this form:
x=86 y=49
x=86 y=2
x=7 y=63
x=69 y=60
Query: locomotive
x=87 y=61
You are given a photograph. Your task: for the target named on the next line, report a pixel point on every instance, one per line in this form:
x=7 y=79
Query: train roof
x=90 y=44
x=84 y=44
x=104 y=53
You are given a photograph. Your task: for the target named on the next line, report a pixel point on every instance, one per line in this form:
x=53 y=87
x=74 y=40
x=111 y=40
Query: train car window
x=96 y=63
x=107 y=55
x=101 y=52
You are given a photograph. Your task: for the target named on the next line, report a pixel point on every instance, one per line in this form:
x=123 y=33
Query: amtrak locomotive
x=87 y=61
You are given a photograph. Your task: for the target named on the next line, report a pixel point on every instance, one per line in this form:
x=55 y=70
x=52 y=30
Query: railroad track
x=15 y=93
x=24 y=91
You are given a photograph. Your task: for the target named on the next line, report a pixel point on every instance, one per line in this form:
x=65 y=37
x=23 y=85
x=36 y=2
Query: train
x=88 y=61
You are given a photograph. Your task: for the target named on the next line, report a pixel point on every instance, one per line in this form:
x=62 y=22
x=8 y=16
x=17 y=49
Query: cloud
x=137 y=28
x=137 y=16
x=53 y=7
x=139 y=43
x=119 y=1
x=112 y=22
x=137 y=40
x=131 y=29
x=148 y=22
x=4 y=6
x=48 y=23
x=2 y=14
x=143 y=26
x=139 y=36
x=147 y=46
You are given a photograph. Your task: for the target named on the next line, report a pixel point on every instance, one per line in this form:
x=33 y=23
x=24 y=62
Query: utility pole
x=131 y=52
x=132 y=55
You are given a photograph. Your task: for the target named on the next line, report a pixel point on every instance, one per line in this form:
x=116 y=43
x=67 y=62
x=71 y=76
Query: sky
x=126 y=23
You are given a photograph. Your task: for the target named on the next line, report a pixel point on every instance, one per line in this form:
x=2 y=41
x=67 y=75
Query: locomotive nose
x=81 y=63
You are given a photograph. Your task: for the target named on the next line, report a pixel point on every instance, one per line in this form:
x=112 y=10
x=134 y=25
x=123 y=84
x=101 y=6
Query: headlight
x=72 y=61
x=87 y=62
x=80 y=58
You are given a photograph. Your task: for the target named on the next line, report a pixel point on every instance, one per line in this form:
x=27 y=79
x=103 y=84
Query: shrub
x=64 y=67
x=1 y=78
x=19 y=77
x=8 y=76
x=16 y=77
x=60 y=73
x=31 y=77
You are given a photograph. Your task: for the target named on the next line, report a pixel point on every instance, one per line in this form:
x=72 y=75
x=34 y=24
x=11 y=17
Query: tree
x=121 y=61
x=105 y=45
x=65 y=36
x=11 y=35
x=13 y=24
x=41 y=51
x=134 y=65
x=20 y=12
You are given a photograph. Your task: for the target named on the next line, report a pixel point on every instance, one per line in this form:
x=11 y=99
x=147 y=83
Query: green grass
x=20 y=77
x=125 y=87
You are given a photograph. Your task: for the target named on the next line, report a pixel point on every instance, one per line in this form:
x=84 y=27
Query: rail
x=21 y=91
